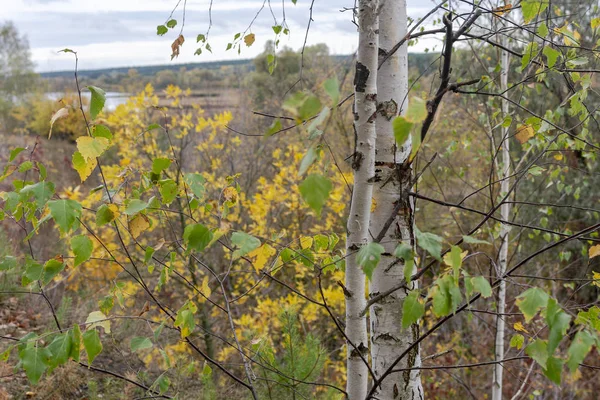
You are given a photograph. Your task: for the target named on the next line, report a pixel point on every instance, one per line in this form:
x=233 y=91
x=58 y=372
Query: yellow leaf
x=306 y=242
x=249 y=39
x=63 y=112
x=596 y=278
x=373 y=204
x=230 y=194
x=558 y=156
x=138 y=224
x=83 y=167
x=262 y=254
x=524 y=133
x=90 y=147
x=205 y=289
x=518 y=326
x=594 y=251
x=97 y=318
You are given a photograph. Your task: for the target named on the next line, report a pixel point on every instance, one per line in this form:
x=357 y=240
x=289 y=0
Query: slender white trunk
x=365 y=85
x=393 y=180
x=505 y=210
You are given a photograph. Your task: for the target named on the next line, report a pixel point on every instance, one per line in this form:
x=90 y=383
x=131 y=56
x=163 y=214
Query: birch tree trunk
x=505 y=210
x=393 y=181
x=365 y=87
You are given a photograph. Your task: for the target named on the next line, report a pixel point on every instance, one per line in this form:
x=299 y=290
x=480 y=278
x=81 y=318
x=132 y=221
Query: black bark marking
x=357 y=160
x=360 y=77
x=388 y=109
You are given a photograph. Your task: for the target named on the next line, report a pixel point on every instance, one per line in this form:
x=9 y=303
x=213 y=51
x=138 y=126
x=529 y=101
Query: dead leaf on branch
x=63 y=112
x=176 y=45
x=249 y=39
x=500 y=11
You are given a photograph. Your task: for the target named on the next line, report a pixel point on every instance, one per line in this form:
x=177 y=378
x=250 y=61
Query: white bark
x=365 y=105
x=388 y=339
x=505 y=210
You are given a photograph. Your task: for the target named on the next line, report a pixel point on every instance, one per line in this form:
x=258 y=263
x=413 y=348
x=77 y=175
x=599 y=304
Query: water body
x=113 y=99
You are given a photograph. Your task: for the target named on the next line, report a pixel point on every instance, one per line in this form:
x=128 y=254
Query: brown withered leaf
x=500 y=11
x=249 y=39
x=176 y=45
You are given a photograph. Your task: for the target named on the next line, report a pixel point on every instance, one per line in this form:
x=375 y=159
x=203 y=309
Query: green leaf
x=558 y=323
x=315 y=190
x=245 y=243
x=185 y=319
x=553 y=369
x=517 y=341
x=97 y=101
x=307 y=160
x=140 y=343
x=76 y=343
x=52 y=268
x=160 y=164
x=134 y=206
x=197 y=237
x=442 y=302
x=430 y=242
x=8 y=263
x=33 y=272
x=531 y=301
x=579 y=348
x=172 y=23
x=106 y=214
x=274 y=128
x=102 y=131
x=589 y=318
x=168 y=190
x=14 y=153
x=401 y=127
x=412 y=309
x=481 y=285
x=163 y=383
x=61 y=348
x=196 y=183
x=454 y=260
x=551 y=55
x=368 y=257
x=303 y=105
x=41 y=191
x=532 y=8
x=417 y=110
x=543 y=30
x=538 y=350
x=406 y=253
x=65 y=212
x=34 y=360
x=25 y=166
x=92 y=344
x=161 y=30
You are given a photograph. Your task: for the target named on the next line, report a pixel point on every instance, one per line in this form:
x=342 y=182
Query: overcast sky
x=121 y=33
